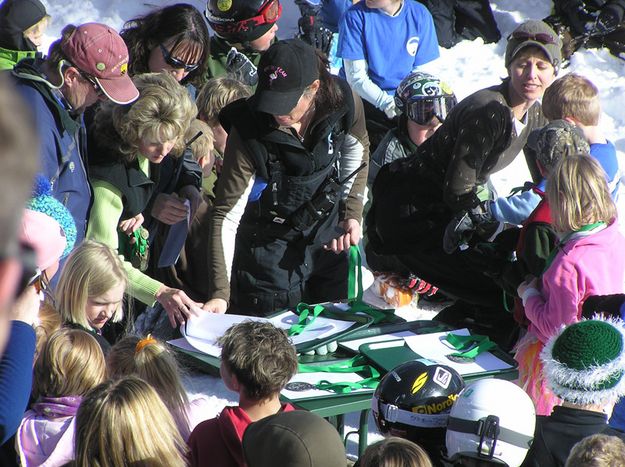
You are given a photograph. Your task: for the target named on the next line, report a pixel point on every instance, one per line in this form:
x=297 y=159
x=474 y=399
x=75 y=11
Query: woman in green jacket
x=126 y=145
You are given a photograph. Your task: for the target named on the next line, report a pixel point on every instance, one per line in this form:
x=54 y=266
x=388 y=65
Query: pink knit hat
x=44 y=235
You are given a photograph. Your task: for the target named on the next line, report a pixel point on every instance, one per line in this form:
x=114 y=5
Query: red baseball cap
x=100 y=52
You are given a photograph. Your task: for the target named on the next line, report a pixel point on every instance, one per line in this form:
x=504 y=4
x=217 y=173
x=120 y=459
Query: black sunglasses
x=175 y=62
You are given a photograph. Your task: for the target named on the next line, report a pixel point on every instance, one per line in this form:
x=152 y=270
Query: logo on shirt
x=412 y=45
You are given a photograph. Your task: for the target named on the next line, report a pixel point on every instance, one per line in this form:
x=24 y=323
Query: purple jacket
x=587 y=265
x=46 y=435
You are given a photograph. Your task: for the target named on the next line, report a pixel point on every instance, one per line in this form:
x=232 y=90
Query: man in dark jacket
x=87 y=64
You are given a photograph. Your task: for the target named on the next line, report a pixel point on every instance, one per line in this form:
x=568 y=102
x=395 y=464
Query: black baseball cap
x=284 y=71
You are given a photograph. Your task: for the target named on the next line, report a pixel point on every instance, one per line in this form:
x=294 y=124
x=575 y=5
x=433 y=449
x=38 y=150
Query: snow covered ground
x=467 y=67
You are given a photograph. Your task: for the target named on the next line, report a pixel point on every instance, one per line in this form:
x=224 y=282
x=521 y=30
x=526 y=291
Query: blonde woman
x=588 y=260
x=91 y=289
x=126 y=145
x=124 y=422
x=70 y=365
x=152 y=361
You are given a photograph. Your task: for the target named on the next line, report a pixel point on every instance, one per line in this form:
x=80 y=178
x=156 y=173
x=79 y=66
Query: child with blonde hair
x=214 y=96
x=589 y=259
x=124 y=422
x=70 y=365
x=91 y=288
x=153 y=362
x=576 y=99
x=395 y=452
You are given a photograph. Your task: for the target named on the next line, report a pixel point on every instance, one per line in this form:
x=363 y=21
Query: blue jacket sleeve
x=16 y=378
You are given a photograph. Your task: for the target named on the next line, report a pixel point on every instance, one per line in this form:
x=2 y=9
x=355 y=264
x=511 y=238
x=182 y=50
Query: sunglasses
x=422 y=111
x=177 y=63
x=268 y=13
x=98 y=89
x=542 y=37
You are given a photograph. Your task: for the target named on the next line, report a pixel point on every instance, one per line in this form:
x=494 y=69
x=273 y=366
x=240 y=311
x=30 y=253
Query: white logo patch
x=412 y=45
x=442 y=377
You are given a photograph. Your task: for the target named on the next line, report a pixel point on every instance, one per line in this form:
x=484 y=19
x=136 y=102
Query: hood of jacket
x=16 y=16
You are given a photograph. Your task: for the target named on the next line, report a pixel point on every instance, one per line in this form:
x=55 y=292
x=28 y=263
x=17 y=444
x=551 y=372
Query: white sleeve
x=358 y=79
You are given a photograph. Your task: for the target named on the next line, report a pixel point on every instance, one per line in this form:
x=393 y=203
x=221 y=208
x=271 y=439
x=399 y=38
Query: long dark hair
x=182 y=22
x=330 y=96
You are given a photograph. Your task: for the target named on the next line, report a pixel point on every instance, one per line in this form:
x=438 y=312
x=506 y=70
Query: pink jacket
x=43 y=441
x=593 y=264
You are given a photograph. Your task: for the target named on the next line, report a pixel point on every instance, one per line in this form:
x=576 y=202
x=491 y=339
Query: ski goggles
x=268 y=13
x=542 y=37
x=422 y=111
x=176 y=62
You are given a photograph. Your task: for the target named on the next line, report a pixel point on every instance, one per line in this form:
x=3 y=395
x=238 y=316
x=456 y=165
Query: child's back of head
x=260 y=356
x=124 y=422
x=556 y=140
x=578 y=194
x=216 y=94
x=572 y=96
x=597 y=451
x=70 y=364
x=395 y=452
x=153 y=362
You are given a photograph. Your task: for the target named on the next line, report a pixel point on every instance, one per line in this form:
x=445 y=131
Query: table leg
x=363 y=430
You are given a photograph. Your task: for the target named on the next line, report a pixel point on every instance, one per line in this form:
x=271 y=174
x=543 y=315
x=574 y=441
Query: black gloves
x=609 y=305
x=478 y=220
x=610 y=17
x=241 y=68
x=311 y=28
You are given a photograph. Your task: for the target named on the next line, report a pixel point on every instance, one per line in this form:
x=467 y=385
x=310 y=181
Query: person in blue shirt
x=382 y=41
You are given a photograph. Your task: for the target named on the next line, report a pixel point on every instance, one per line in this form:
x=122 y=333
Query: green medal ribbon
x=304 y=317
x=353 y=365
x=469 y=346
x=355 y=289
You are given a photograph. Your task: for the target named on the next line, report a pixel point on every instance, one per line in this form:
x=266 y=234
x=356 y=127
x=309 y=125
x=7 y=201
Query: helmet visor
x=269 y=13
x=422 y=111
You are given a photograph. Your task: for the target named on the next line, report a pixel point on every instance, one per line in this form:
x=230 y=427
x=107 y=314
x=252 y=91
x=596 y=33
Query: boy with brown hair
x=257 y=361
x=575 y=98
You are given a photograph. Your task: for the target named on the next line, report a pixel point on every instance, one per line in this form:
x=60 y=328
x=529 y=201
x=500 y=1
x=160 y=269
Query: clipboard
x=386 y=355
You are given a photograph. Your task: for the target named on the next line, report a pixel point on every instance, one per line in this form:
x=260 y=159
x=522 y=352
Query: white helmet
x=492 y=420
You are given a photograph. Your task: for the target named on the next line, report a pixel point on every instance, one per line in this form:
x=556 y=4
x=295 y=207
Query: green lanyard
x=353 y=365
x=355 y=290
x=583 y=228
x=475 y=345
x=304 y=317
x=308 y=313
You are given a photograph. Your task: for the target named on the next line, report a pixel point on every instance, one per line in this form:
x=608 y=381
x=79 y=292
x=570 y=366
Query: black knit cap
x=284 y=71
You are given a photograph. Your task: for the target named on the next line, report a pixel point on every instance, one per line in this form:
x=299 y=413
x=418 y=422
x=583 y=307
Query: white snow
x=467 y=67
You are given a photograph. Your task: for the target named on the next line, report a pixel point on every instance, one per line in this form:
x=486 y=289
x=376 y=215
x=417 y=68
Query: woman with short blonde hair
x=126 y=146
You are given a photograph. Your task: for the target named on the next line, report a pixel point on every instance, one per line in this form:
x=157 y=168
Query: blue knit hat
x=43 y=201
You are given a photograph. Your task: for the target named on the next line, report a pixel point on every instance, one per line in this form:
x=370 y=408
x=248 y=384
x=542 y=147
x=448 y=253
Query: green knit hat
x=585 y=362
